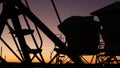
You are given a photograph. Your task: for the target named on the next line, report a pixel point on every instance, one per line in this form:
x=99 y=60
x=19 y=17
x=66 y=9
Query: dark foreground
x=38 y=65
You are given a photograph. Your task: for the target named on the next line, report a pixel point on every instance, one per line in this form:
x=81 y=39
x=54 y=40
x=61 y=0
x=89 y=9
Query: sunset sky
x=43 y=9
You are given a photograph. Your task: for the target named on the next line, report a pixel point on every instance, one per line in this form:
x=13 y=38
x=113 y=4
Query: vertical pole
x=1 y=52
x=5 y=57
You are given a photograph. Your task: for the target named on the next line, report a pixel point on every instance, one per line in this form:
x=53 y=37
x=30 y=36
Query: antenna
x=1 y=52
x=56 y=11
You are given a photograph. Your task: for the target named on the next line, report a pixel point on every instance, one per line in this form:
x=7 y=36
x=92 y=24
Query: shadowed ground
x=38 y=65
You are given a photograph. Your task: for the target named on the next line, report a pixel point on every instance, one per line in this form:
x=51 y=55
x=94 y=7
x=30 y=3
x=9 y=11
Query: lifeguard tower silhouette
x=83 y=34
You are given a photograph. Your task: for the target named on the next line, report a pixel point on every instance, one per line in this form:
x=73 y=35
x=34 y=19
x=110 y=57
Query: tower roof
x=112 y=8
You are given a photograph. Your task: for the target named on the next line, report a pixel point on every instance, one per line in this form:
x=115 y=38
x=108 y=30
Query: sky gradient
x=43 y=9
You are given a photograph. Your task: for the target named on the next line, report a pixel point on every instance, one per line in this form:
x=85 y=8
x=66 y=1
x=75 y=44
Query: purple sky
x=66 y=8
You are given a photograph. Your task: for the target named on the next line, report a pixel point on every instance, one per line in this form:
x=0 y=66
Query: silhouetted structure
x=82 y=34
x=12 y=9
x=110 y=19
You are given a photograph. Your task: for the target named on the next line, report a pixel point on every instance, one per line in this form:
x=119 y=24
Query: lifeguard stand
x=82 y=34
x=109 y=17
